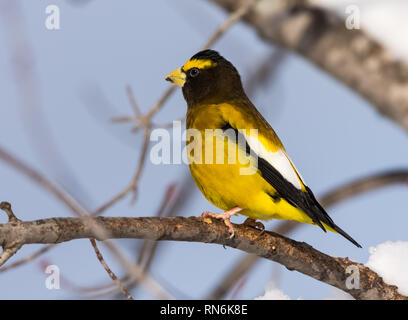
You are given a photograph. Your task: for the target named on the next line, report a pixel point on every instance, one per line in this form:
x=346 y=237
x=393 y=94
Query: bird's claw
x=254 y=224
x=225 y=216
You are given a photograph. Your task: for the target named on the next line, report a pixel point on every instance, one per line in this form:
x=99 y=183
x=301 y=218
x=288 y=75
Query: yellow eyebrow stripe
x=199 y=63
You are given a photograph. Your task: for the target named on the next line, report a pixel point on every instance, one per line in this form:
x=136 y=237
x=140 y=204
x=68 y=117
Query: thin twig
x=132 y=101
x=76 y=207
x=232 y=19
x=6 y=207
x=219 y=32
x=41 y=180
x=169 y=125
x=148 y=248
x=109 y=271
x=28 y=258
x=133 y=185
x=9 y=247
x=23 y=62
x=146 y=119
x=8 y=252
x=80 y=211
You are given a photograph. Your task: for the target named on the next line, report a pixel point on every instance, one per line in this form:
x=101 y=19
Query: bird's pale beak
x=177 y=77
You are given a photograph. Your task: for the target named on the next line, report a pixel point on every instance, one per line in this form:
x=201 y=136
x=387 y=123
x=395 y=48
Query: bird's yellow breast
x=219 y=171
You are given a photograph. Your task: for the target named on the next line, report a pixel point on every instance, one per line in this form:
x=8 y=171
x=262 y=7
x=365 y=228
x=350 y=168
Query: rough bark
x=294 y=255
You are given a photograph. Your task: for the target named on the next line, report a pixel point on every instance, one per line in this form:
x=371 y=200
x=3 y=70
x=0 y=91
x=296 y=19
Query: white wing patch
x=279 y=160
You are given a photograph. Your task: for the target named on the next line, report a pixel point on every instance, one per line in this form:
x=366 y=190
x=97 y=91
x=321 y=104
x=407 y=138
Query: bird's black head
x=207 y=78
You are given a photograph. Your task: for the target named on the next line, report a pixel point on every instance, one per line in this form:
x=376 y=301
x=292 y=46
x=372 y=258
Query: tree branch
x=294 y=255
x=110 y=272
x=344 y=192
x=10 y=248
x=351 y=56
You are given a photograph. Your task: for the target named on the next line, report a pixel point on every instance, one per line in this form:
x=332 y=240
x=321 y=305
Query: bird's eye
x=194 y=72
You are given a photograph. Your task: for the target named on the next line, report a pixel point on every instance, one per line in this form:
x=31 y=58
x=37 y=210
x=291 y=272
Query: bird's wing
x=274 y=164
x=277 y=169
x=278 y=159
x=263 y=142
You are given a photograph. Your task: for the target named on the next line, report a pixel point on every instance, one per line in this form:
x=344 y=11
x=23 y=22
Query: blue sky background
x=331 y=134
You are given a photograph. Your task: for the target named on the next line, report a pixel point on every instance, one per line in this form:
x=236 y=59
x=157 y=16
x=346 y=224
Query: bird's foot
x=225 y=216
x=254 y=224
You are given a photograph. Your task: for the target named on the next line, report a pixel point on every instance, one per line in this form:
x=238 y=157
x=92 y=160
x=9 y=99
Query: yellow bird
x=257 y=178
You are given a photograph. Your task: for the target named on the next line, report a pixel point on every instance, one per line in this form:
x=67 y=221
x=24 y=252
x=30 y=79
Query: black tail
x=345 y=235
x=319 y=215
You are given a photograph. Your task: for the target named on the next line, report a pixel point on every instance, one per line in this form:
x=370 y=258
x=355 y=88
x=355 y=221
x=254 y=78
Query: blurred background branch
x=351 y=56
